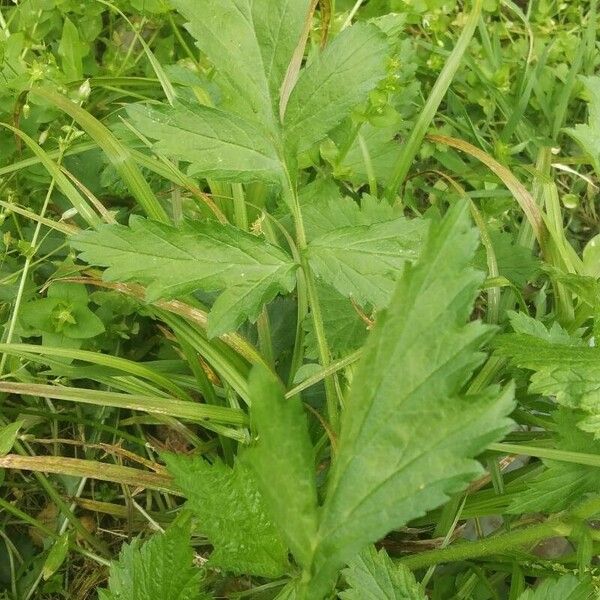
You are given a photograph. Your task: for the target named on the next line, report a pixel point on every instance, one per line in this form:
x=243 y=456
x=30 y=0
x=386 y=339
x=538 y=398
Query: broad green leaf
x=345 y=330
x=197 y=256
x=335 y=82
x=56 y=556
x=159 y=568
x=251 y=43
x=561 y=484
x=231 y=512
x=568 y=373
x=515 y=262
x=408 y=435
x=218 y=145
x=284 y=463
x=8 y=436
x=523 y=323
x=224 y=31
x=567 y=587
x=322 y=214
x=373 y=576
x=322 y=189
x=588 y=136
x=363 y=262
x=278 y=27
x=71 y=51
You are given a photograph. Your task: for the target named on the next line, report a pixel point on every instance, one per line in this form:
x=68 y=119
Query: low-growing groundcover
x=299 y=300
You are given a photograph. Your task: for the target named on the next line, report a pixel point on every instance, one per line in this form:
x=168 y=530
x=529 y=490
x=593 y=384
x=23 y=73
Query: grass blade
x=65 y=186
x=76 y=467
x=117 y=153
x=411 y=147
x=171 y=407
x=519 y=191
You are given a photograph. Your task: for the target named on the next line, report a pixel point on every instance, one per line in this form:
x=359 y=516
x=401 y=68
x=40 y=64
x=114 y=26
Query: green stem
x=486 y=375
x=302 y=312
x=265 y=343
x=240 y=212
x=488 y=546
x=493 y=312
x=438 y=92
x=558 y=526
x=323 y=347
x=332 y=391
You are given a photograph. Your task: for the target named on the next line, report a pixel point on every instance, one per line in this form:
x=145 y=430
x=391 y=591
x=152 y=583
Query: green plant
x=309 y=278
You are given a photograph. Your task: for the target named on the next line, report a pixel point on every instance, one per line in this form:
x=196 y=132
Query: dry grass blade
x=76 y=467
x=519 y=191
x=291 y=76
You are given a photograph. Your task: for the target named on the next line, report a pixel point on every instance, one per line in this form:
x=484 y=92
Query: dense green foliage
x=300 y=300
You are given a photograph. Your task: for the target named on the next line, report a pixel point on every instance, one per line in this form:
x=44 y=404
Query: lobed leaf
x=408 y=434
x=567 y=587
x=569 y=373
x=324 y=210
x=278 y=28
x=251 y=43
x=159 y=568
x=197 y=256
x=373 y=576
x=334 y=83
x=217 y=144
x=561 y=484
x=232 y=513
x=364 y=261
